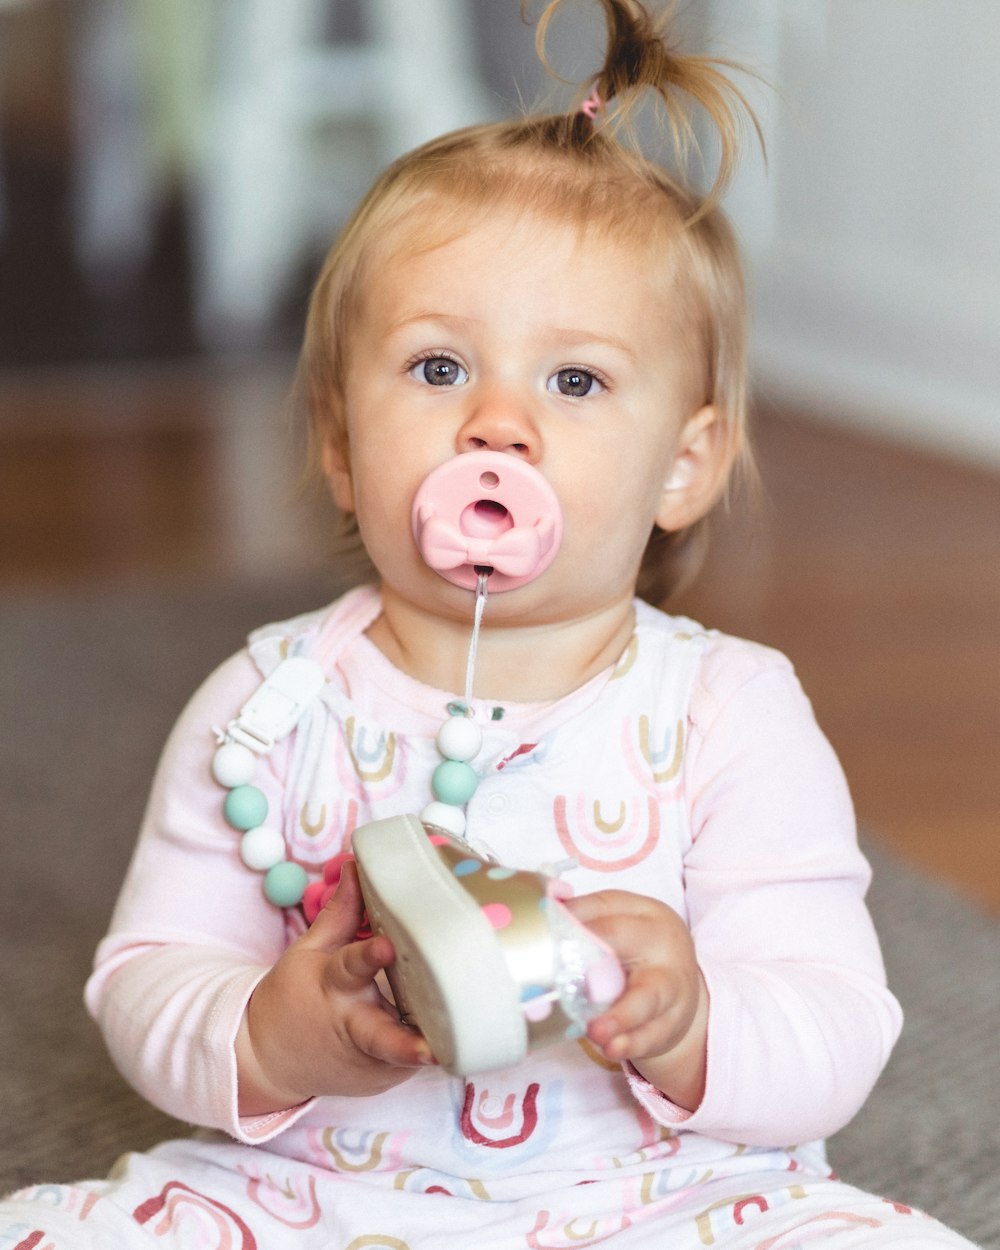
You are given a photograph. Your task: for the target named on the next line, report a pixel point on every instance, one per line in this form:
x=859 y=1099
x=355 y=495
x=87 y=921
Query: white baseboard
x=908 y=410
x=912 y=356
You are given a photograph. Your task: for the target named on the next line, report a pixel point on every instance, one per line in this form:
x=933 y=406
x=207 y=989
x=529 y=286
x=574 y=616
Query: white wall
x=874 y=238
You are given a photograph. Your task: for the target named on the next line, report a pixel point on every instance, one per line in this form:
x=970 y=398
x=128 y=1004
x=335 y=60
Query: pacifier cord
x=459 y=741
x=482 y=592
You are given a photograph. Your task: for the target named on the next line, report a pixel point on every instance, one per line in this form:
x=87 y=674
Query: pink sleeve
x=192 y=933
x=801 y=1023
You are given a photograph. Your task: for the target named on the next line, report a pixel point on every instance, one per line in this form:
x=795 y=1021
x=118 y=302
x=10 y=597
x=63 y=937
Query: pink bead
x=316 y=897
x=312 y=902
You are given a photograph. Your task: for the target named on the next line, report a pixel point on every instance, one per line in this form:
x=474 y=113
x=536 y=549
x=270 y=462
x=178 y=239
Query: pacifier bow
x=516 y=552
x=487 y=510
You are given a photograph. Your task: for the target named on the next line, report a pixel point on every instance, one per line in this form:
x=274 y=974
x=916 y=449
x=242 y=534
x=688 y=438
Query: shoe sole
x=449 y=976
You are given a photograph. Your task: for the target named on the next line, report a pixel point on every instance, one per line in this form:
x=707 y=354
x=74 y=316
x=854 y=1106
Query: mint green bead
x=285 y=884
x=454 y=782
x=245 y=807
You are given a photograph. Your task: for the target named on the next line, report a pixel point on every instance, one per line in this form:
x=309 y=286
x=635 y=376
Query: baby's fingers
x=620 y=1044
x=353 y=967
x=338 y=921
x=374 y=1031
x=647 y=1020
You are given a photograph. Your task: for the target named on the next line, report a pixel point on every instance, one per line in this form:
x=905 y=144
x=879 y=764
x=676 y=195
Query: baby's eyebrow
x=448 y=320
x=562 y=337
x=590 y=338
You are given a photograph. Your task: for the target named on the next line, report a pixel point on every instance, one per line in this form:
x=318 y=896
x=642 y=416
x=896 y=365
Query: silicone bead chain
x=234 y=766
x=271 y=713
x=262 y=847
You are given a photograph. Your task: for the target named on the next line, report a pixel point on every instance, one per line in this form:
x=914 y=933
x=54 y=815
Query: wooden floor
x=876 y=569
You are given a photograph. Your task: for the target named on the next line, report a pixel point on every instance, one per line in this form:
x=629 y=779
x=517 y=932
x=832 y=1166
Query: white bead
x=459 y=738
x=261 y=848
x=233 y=765
x=444 y=816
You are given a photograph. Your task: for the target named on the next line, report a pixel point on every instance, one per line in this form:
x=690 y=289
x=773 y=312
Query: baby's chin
x=536 y=603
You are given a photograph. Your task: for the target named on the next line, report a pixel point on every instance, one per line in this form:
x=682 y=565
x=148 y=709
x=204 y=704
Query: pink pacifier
x=487 y=510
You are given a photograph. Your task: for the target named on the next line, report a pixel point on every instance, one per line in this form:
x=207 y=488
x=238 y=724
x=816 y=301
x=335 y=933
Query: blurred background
x=171 y=172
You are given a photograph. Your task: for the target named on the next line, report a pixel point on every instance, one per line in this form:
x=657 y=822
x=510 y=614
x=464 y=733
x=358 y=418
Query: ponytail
x=638 y=58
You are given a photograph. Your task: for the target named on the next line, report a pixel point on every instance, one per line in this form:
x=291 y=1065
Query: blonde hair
x=584 y=168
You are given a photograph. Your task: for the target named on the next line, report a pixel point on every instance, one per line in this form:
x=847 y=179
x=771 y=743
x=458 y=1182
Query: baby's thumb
x=338 y=921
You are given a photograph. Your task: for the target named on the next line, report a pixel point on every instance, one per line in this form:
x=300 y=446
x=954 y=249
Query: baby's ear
x=702 y=460
x=337 y=467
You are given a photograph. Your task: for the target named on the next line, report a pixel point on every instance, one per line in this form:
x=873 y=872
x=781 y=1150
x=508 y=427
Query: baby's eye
x=575 y=383
x=439 y=371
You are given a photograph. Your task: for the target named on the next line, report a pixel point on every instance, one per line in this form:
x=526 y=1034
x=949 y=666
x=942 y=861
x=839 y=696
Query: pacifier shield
x=485 y=509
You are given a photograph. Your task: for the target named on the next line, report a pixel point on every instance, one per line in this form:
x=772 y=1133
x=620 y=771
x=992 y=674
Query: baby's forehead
x=533 y=275
x=435 y=223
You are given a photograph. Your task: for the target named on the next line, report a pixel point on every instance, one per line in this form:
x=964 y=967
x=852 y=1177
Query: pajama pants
x=215 y=1194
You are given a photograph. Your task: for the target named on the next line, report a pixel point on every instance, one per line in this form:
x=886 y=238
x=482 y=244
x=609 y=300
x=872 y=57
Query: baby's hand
x=660 y=1022
x=317 y=1023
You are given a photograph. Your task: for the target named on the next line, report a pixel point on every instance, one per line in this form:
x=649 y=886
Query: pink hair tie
x=592 y=105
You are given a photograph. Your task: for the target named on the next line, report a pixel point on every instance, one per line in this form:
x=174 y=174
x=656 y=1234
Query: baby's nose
x=503 y=425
